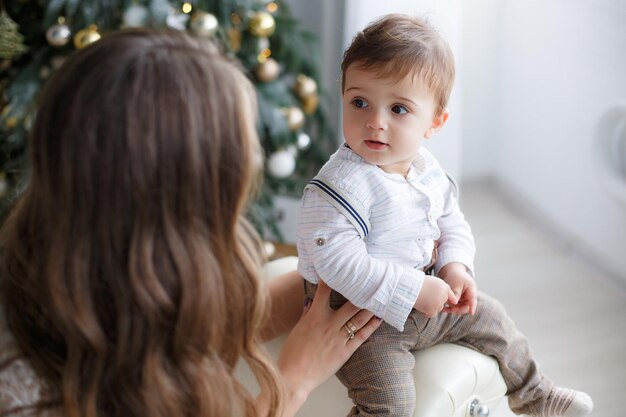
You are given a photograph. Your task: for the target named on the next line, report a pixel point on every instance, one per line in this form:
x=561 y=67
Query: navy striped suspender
x=342 y=204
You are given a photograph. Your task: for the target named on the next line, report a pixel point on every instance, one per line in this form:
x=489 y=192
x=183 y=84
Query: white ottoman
x=450 y=380
x=454 y=381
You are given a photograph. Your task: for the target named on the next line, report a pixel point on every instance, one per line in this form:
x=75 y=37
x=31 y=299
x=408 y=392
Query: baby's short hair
x=396 y=45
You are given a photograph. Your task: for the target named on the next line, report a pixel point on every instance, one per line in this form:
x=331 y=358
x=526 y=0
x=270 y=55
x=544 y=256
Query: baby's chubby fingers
x=472 y=299
x=458 y=309
x=453 y=298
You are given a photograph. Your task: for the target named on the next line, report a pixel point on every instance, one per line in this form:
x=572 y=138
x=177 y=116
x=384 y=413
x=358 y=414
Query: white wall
x=480 y=46
x=534 y=77
x=555 y=66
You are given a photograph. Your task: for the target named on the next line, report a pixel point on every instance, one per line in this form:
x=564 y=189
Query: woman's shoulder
x=19 y=385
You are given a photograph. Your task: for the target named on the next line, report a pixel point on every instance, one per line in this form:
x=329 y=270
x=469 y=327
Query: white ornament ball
x=281 y=164
x=135 y=16
x=58 y=35
x=269 y=248
x=303 y=141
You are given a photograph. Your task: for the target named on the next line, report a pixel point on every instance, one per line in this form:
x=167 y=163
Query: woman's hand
x=319 y=345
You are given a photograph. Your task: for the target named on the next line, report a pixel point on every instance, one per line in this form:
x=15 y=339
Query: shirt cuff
x=403 y=298
x=449 y=255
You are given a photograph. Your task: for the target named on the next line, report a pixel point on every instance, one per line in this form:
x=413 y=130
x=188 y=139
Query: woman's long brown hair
x=129 y=277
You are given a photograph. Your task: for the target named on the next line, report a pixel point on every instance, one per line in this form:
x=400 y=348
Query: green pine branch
x=29 y=60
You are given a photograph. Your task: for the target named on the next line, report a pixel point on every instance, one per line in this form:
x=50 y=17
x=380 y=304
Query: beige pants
x=379 y=376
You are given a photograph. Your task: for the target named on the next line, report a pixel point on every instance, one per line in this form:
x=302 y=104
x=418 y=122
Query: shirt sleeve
x=330 y=244
x=456 y=243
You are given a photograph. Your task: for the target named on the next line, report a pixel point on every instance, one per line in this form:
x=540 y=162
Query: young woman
x=129 y=279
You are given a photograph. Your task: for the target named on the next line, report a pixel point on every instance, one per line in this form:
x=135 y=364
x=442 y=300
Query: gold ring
x=351 y=329
x=351 y=326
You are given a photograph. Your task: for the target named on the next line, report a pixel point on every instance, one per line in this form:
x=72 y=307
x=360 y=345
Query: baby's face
x=385 y=120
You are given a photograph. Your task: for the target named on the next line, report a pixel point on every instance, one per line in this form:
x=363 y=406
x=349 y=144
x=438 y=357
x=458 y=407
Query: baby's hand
x=463 y=286
x=433 y=296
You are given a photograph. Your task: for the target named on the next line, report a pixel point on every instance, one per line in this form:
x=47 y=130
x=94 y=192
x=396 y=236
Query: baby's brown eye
x=359 y=103
x=398 y=109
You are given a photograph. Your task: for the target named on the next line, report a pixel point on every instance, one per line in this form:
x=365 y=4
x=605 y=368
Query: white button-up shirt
x=368 y=233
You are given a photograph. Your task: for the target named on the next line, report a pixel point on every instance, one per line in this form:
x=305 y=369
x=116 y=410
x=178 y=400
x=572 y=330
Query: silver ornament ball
x=135 y=16
x=303 y=141
x=58 y=35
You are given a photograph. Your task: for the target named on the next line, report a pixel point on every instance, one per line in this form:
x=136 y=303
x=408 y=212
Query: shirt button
x=320 y=241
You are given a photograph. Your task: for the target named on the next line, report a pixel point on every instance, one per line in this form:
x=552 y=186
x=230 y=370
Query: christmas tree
x=36 y=36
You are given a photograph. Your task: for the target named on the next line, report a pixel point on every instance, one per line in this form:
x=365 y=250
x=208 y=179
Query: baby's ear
x=438 y=123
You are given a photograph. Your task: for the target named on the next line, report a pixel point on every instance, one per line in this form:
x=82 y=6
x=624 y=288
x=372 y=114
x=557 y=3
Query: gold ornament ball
x=11 y=122
x=86 y=37
x=203 y=24
x=262 y=24
x=268 y=70
x=310 y=103
x=295 y=118
x=305 y=86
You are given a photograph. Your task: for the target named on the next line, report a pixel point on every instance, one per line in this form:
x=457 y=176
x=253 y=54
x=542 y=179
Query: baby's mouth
x=374 y=144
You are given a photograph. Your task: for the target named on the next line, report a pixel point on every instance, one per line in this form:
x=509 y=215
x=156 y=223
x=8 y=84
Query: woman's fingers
x=365 y=331
x=349 y=319
x=347 y=311
x=365 y=323
x=322 y=294
x=341 y=315
x=322 y=297
x=361 y=318
x=318 y=345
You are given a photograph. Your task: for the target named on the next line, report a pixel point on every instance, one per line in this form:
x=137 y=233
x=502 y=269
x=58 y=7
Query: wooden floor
x=574 y=318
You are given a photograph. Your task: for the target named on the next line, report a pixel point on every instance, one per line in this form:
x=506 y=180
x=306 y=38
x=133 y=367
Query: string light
x=272 y=7
x=263 y=55
x=187 y=7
